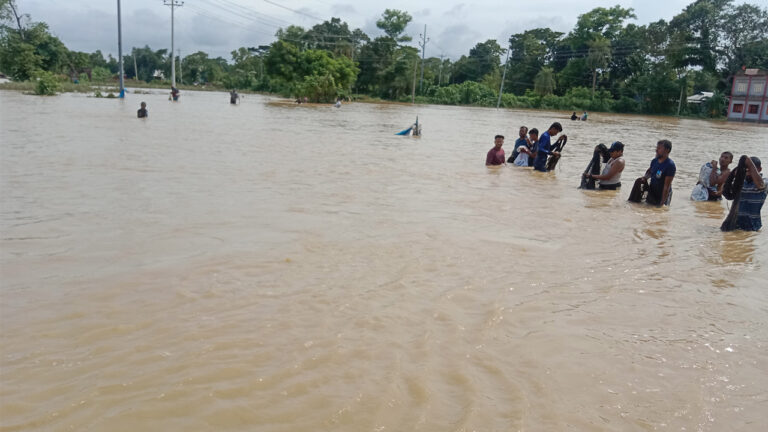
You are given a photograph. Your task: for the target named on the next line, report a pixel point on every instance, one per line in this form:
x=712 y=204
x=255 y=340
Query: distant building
x=699 y=97
x=749 y=100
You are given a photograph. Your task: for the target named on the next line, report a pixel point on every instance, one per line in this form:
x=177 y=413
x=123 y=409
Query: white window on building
x=741 y=87
x=757 y=88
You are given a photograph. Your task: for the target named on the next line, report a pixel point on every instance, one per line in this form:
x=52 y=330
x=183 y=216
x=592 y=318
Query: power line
x=293 y=10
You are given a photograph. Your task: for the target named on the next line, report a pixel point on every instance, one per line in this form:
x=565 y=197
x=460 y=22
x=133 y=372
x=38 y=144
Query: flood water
x=273 y=267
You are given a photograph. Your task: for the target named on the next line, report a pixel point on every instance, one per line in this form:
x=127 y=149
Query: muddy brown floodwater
x=273 y=267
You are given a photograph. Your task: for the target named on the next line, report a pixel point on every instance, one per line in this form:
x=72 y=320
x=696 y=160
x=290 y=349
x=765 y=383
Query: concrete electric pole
x=440 y=79
x=173 y=4
x=423 y=45
x=120 y=49
x=503 y=77
x=181 y=70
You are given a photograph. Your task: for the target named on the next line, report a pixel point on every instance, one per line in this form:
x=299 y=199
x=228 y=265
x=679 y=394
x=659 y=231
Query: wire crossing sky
x=221 y=26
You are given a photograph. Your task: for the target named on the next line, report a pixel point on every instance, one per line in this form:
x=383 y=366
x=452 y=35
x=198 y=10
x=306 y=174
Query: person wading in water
x=610 y=178
x=661 y=173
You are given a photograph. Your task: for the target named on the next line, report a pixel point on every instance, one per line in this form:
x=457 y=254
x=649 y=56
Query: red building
x=749 y=96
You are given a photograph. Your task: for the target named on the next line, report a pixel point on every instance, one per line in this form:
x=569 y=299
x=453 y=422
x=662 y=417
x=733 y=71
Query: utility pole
x=503 y=77
x=413 y=89
x=440 y=79
x=135 y=69
x=181 y=70
x=423 y=45
x=119 y=49
x=173 y=4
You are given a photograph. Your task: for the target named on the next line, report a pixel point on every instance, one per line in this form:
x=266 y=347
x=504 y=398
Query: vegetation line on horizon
x=603 y=64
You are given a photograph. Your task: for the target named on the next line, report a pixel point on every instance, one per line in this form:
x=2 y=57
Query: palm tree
x=544 y=83
x=598 y=58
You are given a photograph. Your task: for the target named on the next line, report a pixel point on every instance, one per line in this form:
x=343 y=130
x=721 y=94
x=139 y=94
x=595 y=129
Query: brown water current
x=273 y=267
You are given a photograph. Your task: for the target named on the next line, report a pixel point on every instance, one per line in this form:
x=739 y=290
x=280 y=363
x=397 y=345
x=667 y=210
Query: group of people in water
x=582 y=118
x=745 y=184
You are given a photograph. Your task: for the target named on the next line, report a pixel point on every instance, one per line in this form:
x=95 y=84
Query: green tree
x=600 y=21
x=697 y=32
x=294 y=35
x=393 y=23
x=484 y=58
x=29 y=49
x=744 y=40
x=531 y=50
x=375 y=58
x=599 y=57
x=281 y=62
x=336 y=37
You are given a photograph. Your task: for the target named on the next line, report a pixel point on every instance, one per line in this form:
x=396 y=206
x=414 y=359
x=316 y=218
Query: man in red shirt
x=496 y=154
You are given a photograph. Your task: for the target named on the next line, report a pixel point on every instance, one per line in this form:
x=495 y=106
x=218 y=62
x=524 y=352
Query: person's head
x=555 y=129
x=143 y=105
x=758 y=165
x=523 y=131
x=663 y=148
x=533 y=134
x=616 y=150
x=498 y=140
x=725 y=159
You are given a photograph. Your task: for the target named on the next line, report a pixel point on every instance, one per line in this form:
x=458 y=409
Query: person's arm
x=616 y=168
x=715 y=179
x=647 y=174
x=757 y=179
x=667 y=188
x=720 y=183
x=713 y=173
x=489 y=158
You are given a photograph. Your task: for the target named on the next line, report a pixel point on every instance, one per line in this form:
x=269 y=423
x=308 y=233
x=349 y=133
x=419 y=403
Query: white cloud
x=220 y=26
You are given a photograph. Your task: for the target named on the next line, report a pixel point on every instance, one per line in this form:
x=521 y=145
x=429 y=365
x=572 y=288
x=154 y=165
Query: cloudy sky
x=219 y=26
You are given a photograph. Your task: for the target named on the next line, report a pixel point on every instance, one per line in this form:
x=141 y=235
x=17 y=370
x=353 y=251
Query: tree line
x=605 y=63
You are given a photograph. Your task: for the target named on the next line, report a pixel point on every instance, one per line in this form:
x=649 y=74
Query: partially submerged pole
x=120 y=50
x=503 y=77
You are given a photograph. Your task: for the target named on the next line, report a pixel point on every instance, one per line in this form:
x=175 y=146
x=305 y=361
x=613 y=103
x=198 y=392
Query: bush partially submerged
x=47 y=84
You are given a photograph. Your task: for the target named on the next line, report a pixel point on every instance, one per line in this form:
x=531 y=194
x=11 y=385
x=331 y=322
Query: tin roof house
x=749 y=100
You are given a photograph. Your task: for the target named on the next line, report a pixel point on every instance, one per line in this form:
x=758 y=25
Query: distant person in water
x=584 y=116
x=143 y=113
x=233 y=97
x=495 y=155
x=527 y=153
x=544 y=148
x=574 y=116
x=610 y=178
x=660 y=173
x=712 y=177
x=174 y=93
x=338 y=103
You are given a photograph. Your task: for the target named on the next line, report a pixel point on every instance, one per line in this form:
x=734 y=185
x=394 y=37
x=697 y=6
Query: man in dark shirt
x=143 y=113
x=661 y=173
x=495 y=155
x=522 y=141
x=544 y=149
